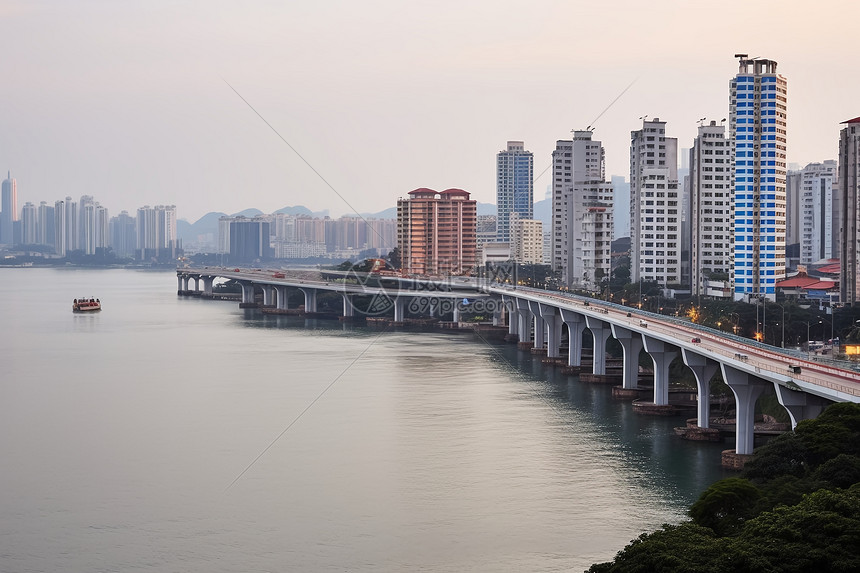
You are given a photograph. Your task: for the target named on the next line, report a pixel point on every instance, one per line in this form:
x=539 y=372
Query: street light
x=783 y=320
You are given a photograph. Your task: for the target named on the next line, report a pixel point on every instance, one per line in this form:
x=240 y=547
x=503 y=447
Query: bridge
x=538 y=319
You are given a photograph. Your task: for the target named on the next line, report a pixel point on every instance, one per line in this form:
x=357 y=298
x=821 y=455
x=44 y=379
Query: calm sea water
x=121 y=433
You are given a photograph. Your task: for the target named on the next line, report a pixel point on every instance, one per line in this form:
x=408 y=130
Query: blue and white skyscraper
x=757 y=109
x=514 y=187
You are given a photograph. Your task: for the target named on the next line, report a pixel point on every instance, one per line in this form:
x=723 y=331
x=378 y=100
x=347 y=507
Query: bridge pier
x=746 y=388
x=247 y=292
x=180 y=282
x=268 y=291
x=703 y=369
x=282 y=298
x=662 y=354
x=525 y=323
x=208 y=281
x=631 y=344
x=310 y=299
x=575 y=325
x=601 y=334
x=550 y=317
x=513 y=316
x=399 y=310
x=348 y=308
x=800 y=405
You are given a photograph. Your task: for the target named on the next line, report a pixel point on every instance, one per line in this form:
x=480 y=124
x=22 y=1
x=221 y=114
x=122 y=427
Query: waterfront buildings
x=757 y=112
x=849 y=191
x=710 y=210
x=818 y=212
x=526 y=241
x=514 y=187
x=156 y=232
x=249 y=239
x=582 y=213
x=655 y=206
x=436 y=232
x=8 y=210
x=28 y=224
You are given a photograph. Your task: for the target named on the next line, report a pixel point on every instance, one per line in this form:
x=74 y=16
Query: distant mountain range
x=205 y=229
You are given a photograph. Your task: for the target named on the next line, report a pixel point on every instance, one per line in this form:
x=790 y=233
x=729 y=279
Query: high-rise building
x=562 y=190
x=156 y=232
x=792 y=217
x=582 y=213
x=514 y=187
x=249 y=239
x=71 y=225
x=849 y=191
x=29 y=224
x=8 y=210
x=757 y=111
x=122 y=235
x=819 y=212
x=655 y=205
x=60 y=244
x=45 y=222
x=710 y=191
x=436 y=232
x=526 y=241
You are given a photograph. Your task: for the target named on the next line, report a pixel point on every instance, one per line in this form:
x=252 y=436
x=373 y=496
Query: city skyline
x=144 y=110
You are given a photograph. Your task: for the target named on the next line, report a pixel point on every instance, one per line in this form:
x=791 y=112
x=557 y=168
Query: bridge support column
x=551 y=319
x=525 y=321
x=746 y=388
x=247 y=292
x=456 y=317
x=631 y=344
x=703 y=369
x=575 y=325
x=348 y=309
x=268 y=291
x=498 y=312
x=310 y=299
x=207 y=284
x=513 y=317
x=282 y=297
x=196 y=279
x=601 y=333
x=800 y=405
x=180 y=283
x=399 y=309
x=662 y=354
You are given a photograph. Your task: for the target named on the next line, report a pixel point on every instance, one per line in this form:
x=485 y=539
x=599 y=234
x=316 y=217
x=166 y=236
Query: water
x=121 y=433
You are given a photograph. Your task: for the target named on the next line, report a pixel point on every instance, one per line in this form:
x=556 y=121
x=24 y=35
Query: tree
x=726 y=506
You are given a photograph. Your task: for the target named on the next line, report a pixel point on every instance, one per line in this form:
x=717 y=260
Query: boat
x=86 y=305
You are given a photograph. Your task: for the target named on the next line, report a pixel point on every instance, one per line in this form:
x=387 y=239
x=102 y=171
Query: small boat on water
x=86 y=305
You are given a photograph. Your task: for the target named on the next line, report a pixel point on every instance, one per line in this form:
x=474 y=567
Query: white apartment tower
x=29 y=224
x=582 y=213
x=819 y=212
x=655 y=205
x=60 y=244
x=710 y=207
x=757 y=111
x=527 y=241
x=849 y=191
x=514 y=187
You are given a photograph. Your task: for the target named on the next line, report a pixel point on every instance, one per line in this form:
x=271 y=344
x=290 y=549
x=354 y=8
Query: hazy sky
x=127 y=101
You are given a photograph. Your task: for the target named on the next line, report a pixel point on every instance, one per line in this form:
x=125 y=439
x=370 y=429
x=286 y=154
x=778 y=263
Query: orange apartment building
x=437 y=232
